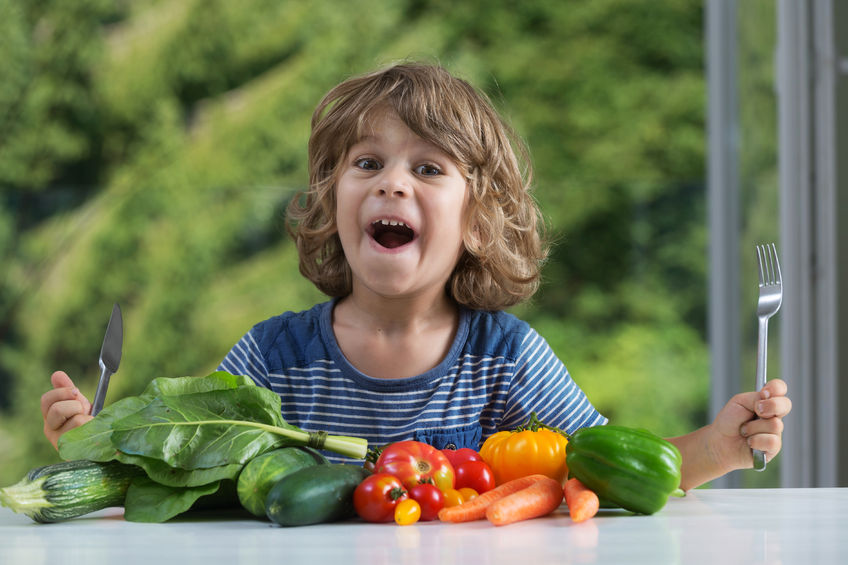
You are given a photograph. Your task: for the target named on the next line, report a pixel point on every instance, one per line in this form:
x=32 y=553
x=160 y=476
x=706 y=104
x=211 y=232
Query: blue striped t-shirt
x=497 y=372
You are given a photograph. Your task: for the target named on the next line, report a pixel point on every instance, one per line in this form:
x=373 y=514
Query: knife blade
x=110 y=357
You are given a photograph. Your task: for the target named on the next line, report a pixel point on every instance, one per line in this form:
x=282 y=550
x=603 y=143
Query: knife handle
x=102 y=386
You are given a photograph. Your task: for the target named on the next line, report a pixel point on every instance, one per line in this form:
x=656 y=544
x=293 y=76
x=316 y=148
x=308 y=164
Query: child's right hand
x=63 y=408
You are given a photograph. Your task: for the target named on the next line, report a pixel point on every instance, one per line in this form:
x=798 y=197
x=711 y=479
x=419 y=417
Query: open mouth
x=391 y=233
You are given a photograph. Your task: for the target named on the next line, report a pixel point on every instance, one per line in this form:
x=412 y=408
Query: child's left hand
x=750 y=420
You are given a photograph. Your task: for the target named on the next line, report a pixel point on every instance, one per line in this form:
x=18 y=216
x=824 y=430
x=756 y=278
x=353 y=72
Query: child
x=419 y=223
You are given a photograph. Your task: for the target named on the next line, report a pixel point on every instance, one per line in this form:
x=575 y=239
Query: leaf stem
x=354 y=447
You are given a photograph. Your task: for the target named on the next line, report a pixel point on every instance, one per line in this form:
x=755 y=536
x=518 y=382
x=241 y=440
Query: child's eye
x=427 y=170
x=367 y=164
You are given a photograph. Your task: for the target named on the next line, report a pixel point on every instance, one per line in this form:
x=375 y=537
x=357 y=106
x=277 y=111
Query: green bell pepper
x=630 y=467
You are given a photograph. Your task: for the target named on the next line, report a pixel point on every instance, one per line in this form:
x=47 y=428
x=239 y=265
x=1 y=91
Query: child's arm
x=750 y=420
x=64 y=407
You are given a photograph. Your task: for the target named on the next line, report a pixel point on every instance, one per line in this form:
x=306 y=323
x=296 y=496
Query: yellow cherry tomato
x=468 y=493
x=452 y=497
x=407 y=512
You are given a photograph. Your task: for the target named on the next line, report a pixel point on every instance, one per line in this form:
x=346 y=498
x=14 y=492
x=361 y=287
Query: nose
x=395 y=182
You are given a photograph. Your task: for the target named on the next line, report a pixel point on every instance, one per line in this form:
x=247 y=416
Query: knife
x=110 y=357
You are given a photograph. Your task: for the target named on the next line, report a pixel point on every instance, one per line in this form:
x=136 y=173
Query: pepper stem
x=534 y=424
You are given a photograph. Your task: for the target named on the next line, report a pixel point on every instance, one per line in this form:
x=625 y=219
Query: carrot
x=475 y=509
x=539 y=499
x=582 y=502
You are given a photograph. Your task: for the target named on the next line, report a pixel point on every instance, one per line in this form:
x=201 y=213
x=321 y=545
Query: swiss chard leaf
x=166 y=475
x=92 y=440
x=177 y=386
x=205 y=429
x=149 y=501
x=190 y=434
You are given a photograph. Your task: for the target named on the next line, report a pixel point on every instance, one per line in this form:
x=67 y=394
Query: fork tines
x=769 y=265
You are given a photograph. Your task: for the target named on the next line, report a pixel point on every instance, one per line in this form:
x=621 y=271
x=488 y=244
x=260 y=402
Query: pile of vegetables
x=191 y=442
x=414 y=481
x=536 y=466
x=181 y=440
x=523 y=474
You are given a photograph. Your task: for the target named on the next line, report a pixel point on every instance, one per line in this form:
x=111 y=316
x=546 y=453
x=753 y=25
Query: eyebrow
x=377 y=138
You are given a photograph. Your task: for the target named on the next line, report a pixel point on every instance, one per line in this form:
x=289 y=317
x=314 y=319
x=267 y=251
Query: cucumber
x=315 y=495
x=260 y=474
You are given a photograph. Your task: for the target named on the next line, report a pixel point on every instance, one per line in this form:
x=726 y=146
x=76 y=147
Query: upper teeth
x=391 y=223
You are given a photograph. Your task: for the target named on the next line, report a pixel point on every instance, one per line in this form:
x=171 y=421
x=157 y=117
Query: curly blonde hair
x=504 y=246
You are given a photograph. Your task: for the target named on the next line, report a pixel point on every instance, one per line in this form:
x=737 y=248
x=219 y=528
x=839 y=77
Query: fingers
x=771 y=426
x=769 y=443
x=63 y=415
x=53 y=396
x=751 y=420
x=63 y=389
x=60 y=379
x=773 y=407
x=63 y=407
x=60 y=412
x=774 y=387
x=773 y=401
x=770 y=402
x=770 y=406
x=73 y=421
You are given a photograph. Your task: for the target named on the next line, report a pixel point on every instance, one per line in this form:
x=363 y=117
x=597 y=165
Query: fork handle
x=762 y=349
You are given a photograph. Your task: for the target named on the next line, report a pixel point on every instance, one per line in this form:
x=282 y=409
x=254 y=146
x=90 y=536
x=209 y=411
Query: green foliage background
x=148 y=150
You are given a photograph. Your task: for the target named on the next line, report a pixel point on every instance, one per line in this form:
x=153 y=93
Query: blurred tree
x=161 y=141
x=48 y=108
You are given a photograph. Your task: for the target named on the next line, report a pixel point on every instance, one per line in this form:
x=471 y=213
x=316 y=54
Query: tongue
x=391 y=239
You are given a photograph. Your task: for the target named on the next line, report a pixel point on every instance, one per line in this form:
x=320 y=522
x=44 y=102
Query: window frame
x=812 y=101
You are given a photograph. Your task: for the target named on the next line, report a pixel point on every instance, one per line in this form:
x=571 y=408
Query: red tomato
x=430 y=498
x=377 y=496
x=414 y=463
x=475 y=474
x=459 y=456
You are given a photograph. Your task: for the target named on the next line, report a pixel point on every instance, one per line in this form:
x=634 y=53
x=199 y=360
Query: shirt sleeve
x=542 y=384
x=245 y=358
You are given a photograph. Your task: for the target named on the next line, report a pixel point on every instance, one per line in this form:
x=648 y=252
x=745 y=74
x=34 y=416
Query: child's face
x=391 y=176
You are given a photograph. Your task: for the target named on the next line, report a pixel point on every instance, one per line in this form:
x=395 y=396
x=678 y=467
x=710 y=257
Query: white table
x=723 y=527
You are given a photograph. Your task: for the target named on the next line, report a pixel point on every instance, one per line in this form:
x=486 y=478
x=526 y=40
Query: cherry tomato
x=468 y=493
x=414 y=463
x=407 y=512
x=475 y=474
x=453 y=498
x=377 y=496
x=430 y=498
x=462 y=455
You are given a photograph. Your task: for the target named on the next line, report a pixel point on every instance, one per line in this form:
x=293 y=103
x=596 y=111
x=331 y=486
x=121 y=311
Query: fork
x=768 y=303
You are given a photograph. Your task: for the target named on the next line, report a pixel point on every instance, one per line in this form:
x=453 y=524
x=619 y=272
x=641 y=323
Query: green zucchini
x=315 y=495
x=261 y=473
x=632 y=468
x=65 y=490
